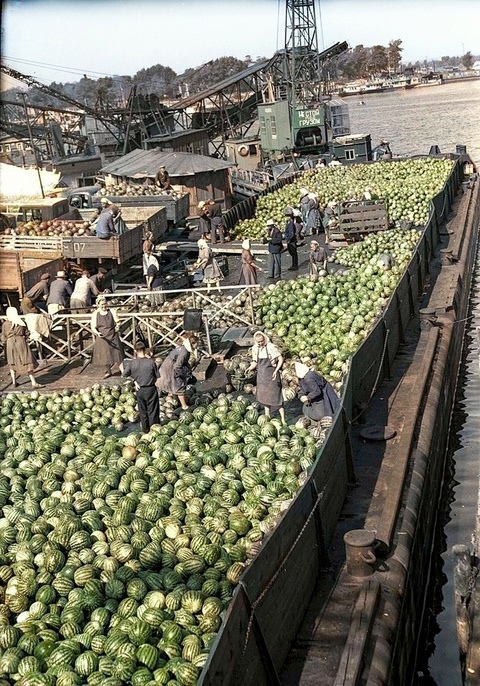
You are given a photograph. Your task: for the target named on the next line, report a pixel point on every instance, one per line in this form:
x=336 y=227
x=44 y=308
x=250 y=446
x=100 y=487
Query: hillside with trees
x=113 y=91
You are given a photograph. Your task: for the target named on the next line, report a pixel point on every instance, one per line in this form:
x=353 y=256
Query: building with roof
x=203 y=177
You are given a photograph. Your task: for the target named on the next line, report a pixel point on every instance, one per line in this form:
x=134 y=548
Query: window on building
x=273 y=125
x=349 y=154
x=263 y=127
x=252 y=149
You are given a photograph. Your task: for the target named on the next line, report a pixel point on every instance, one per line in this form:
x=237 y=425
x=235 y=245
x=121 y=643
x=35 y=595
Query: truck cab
x=42 y=209
x=82 y=198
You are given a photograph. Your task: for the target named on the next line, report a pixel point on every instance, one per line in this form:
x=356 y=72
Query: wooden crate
x=120 y=248
x=357 y=219
x=49 y=247
x=155 y=218
x=19 y=273
x=177 y=208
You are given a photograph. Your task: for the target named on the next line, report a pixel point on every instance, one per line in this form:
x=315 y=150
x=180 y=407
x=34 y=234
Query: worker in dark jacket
x=105 y=228
x=291 y=240
x=36 y=295
x=144 y=371
x=99 y=280
x=275 y=247
x=317 y=395
x=216 y=221
x=162 y=179
x=176 y=373
x=60 y=292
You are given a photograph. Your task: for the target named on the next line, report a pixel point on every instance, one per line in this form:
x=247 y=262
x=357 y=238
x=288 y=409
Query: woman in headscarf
x=318 y=258
x=204 y=223
x=107 y=347
x=17 y=352
x=312 y=217
x=267 y=362
x=207 y=262
x=175 y=372
x=317 y=395
x=248 y=275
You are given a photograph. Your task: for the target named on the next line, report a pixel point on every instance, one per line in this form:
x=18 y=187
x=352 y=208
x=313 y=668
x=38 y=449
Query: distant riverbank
x=357 y=88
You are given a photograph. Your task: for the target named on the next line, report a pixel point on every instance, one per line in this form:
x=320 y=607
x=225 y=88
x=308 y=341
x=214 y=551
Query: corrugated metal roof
x=146 y=163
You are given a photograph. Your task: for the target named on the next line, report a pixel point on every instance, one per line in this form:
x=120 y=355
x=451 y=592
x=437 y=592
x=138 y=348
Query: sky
x=60 y=40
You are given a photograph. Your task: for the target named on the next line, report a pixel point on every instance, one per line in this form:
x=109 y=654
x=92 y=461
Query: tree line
x=113 y=91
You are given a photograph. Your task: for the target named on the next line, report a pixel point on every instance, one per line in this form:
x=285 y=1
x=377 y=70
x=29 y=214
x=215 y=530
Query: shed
x=203 y=177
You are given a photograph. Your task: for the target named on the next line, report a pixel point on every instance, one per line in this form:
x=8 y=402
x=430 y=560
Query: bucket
x=192 y=319
x=359 y=545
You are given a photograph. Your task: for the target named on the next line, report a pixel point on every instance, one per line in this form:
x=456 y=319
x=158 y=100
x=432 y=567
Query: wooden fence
x=71 y=337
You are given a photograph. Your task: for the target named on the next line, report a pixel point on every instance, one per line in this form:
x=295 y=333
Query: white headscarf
x=246 y=244
x=202 y=243
x=13 y=316
x=301 y=370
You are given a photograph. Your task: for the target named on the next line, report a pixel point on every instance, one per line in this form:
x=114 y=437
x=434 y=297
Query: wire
x=58 y=67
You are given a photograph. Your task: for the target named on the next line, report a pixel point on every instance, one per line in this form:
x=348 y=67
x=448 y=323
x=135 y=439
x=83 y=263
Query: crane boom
x=33 y=83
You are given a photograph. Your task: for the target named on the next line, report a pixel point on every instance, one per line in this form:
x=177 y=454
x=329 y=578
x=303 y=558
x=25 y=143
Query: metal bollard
x=359 y=545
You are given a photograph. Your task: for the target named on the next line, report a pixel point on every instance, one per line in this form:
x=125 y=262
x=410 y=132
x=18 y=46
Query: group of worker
x=317 y=396
x=305 y=220
x=109 y=221
x=60 y=294
x=210 y=221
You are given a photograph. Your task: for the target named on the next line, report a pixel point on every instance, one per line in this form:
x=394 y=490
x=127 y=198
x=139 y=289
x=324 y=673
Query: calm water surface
x=413 y=120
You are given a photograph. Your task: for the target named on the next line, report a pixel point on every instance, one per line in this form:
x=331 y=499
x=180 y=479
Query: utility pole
x=25 y=108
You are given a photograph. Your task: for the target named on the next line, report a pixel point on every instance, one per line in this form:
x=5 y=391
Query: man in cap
x=291 y=239
x=104 y=227
x=116 y=212
x=162 y=179
x=318 y=258
x=275 y=247
x=60 y=293
x=38 y=293
x=216 y=221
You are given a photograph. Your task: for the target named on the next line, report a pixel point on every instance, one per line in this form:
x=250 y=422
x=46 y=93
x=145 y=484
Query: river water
x=413 y=120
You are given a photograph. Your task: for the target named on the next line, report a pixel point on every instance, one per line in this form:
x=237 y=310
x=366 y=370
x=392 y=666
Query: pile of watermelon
x=119 y=555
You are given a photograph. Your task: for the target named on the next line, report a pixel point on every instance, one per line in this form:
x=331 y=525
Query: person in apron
x=248 y=275
x=267 y=362
x=317 y=395
x=19 y=357
x=107 y=347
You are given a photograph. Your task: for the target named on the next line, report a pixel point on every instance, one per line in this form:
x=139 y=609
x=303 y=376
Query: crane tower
x=298 y=117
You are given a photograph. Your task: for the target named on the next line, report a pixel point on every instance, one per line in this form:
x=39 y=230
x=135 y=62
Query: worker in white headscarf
x=249 y=273
x=267 y=362
x=317 y=395
x=212 y=274
x=19 y=357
